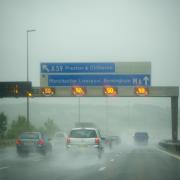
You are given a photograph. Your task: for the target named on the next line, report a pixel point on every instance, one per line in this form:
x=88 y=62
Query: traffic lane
x=123 y=163
x=11 y=164
x=58 y=166
x=52 y=166
x=7 y=153
x=131 y=163
x=140 y=164
x=7 y=156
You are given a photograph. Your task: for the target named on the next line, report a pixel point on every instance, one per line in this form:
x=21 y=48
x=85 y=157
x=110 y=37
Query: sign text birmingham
x=77 y=67
x=99 y=80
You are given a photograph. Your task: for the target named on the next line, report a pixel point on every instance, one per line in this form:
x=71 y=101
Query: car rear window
x=83 y=133
x=141 y=135
x=29 y=136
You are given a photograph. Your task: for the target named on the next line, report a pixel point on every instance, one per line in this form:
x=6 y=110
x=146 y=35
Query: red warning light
x=141 y=91
x=79 y=91
x=110 y=91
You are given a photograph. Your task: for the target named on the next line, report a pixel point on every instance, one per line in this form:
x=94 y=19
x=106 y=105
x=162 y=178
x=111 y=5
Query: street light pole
x=27 y=35
x=79 y=108
x=107 y=114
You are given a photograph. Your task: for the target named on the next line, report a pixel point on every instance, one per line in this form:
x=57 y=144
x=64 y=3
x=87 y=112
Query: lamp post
x=27 y=35
x=79 y=109
x=107 y=114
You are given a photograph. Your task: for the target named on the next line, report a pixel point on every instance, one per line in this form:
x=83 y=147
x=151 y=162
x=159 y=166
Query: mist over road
x=123 y=162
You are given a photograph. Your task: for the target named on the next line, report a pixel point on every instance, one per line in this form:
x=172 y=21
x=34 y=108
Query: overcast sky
x=85 y=31
x=90 y=30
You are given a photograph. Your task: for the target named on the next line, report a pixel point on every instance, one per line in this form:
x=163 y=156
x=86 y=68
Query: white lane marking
x=102 y=168
x=112 y=160
x=1 y=168
x=170 y=154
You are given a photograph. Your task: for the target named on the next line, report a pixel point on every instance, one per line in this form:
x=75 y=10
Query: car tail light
x=41 y=142
x=18 y=141
x=97 y=140
x=68 y=140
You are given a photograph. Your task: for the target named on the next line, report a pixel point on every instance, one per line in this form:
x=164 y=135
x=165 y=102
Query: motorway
x=125 y=162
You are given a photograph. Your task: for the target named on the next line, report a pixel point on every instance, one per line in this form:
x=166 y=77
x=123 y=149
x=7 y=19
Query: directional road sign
x=77 y=67
x=96 y=74
x=99 y=80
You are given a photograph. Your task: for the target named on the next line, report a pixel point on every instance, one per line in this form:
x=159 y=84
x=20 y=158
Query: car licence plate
x=28 y=143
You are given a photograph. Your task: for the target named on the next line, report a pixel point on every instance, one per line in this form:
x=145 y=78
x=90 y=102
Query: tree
x=18 y=126
x=3 y=124
x=50 y=127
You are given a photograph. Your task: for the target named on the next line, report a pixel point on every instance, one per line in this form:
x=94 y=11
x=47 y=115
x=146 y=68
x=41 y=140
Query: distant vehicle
x=141 y=138
x=59 y=139
x=111 y=141
x=85 y=140
x=33 y=142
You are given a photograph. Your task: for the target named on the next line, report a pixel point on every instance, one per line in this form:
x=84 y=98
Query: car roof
x=32 y=132
x=141 y=132
x=60 y=133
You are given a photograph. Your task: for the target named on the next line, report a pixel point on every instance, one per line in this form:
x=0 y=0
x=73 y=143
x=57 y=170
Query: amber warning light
x=141 y=91
x=79 y=91
x=48 y=91
x=110 y=91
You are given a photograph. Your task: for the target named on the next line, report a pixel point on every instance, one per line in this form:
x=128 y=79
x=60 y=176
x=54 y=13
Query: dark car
x=33 y=142
x=141 y=138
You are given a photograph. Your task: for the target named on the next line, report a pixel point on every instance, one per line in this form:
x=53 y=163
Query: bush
x=3 y=125
x=18 y=126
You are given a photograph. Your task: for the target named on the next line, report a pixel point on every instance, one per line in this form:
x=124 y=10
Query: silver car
x=85 y=140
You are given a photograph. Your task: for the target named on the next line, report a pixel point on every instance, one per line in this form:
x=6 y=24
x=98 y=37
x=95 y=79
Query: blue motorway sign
x=99 y=80
x=77 y=68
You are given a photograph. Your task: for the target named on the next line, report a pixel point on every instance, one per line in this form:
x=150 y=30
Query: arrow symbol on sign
x=45 y=68
x=146 y=79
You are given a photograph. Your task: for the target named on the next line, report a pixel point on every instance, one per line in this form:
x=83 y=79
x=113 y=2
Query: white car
x=86 y=140
x=59 y=139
